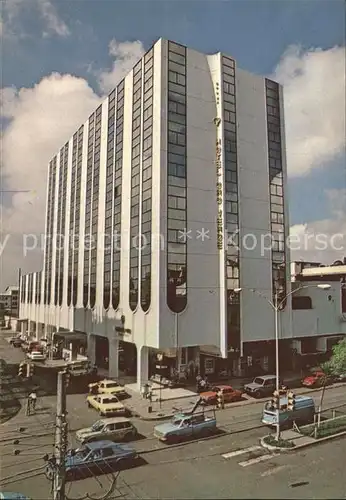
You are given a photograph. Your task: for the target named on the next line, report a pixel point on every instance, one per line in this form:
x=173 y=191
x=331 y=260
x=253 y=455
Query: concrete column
x=30 y=327
x=22 y=327
x=37 y=330
x=142 y=366
x=237 y=372
x=113 y=367
x=91 y=349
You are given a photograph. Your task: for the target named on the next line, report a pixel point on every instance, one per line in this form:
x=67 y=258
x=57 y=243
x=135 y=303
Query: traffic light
x=291 y=401
x=21 y=369
x=67 y=377
x=276 y=400
x=29 y=370
x=220 y=400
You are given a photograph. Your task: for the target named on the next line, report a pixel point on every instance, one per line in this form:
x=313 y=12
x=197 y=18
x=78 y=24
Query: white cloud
x=126 y=55
x=13 y=18
x=323 y=240
x=40 y=120
x=314 y=93
x=55 y=25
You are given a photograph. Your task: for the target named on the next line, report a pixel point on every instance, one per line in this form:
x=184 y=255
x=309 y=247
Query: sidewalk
x=160 y=411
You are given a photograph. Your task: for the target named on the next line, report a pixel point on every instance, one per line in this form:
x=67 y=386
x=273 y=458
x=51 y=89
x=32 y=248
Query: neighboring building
x=318 y=319
x=187 y=155
x=9 y=301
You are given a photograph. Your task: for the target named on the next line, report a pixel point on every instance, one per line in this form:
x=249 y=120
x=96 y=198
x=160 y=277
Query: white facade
x=204 y=320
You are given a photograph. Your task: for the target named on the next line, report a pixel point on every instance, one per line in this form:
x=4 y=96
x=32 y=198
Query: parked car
x=184 y=426
x=303 y=413
x=106 y=404
x=15 y=338
x=79 y=368
x=108 y=387
x=96 y=457
x=261 y=386
x=229 y=394
x=316 y=379
x=32 y=346
x=11 y=495
x=36 y=356
x=16 y=341
x=112 y=429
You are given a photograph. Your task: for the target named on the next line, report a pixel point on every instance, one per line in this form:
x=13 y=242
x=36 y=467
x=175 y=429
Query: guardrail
x=334 y=410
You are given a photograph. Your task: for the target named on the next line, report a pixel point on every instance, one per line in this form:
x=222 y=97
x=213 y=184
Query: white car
x=36 y=356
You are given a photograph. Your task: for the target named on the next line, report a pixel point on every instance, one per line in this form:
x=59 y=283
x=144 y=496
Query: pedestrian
x=31 y=404
x=198 y=382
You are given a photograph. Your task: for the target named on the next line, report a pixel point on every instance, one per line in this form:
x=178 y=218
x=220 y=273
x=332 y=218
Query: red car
x=230 y=394
x=315 y=379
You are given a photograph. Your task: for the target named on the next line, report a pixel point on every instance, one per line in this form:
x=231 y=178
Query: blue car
x=11 y=495
x=94 y=458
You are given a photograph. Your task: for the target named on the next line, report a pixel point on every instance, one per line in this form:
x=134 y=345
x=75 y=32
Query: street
x=195 y=469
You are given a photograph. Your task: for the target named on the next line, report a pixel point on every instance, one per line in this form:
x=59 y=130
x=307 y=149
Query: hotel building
x=161 y=206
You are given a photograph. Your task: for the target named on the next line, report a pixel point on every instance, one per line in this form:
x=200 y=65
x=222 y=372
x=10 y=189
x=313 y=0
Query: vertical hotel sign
x=219 y=197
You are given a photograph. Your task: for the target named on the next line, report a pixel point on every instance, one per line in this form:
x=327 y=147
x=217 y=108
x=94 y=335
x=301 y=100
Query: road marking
x=253 y=461
x=241 y=452
x=274 y=470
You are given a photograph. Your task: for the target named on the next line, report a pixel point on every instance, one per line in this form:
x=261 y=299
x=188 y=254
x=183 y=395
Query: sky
x=61 y=57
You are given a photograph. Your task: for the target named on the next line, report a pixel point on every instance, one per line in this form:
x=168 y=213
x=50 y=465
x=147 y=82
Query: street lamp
x=276 y=305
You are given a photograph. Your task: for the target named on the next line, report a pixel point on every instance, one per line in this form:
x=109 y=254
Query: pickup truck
x=184 y=426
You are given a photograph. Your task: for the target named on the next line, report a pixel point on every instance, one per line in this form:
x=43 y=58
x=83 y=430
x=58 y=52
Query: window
x=301 y=302
x=176 y=180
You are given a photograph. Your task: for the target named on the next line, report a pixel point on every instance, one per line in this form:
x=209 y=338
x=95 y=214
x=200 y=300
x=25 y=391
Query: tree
x=335 y=366
x=337 y=363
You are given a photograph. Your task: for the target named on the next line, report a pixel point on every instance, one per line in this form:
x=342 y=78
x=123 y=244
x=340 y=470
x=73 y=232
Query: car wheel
x=257 y=394
x=70 y=475
x=89 y=405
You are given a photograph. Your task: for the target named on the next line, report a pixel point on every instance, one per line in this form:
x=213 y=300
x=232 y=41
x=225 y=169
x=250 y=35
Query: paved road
x=199 y=470
x=194 y=470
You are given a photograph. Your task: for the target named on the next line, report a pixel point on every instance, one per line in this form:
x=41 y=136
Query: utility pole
x=60 y=439
x=276 y=311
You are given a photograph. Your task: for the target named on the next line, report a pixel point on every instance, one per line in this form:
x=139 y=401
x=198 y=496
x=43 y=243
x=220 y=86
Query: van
x=303 y=413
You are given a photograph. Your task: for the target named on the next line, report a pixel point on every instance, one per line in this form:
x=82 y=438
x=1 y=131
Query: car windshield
x=109 y=400
x=177 y=421
x=81 y=454
x=112 y=384
x=97 y=426
x=269 y=406
x=258 y=380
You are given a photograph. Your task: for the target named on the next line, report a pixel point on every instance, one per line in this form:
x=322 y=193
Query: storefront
x=71 y=345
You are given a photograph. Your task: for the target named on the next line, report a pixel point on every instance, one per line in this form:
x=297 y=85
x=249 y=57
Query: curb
x=275 y=448
x=300 y=446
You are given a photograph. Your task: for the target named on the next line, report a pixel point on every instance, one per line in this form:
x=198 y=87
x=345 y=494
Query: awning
x=72 y=336
x=210 y=350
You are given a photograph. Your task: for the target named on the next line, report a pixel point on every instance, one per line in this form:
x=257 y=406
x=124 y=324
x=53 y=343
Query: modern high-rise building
x=165 y=203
